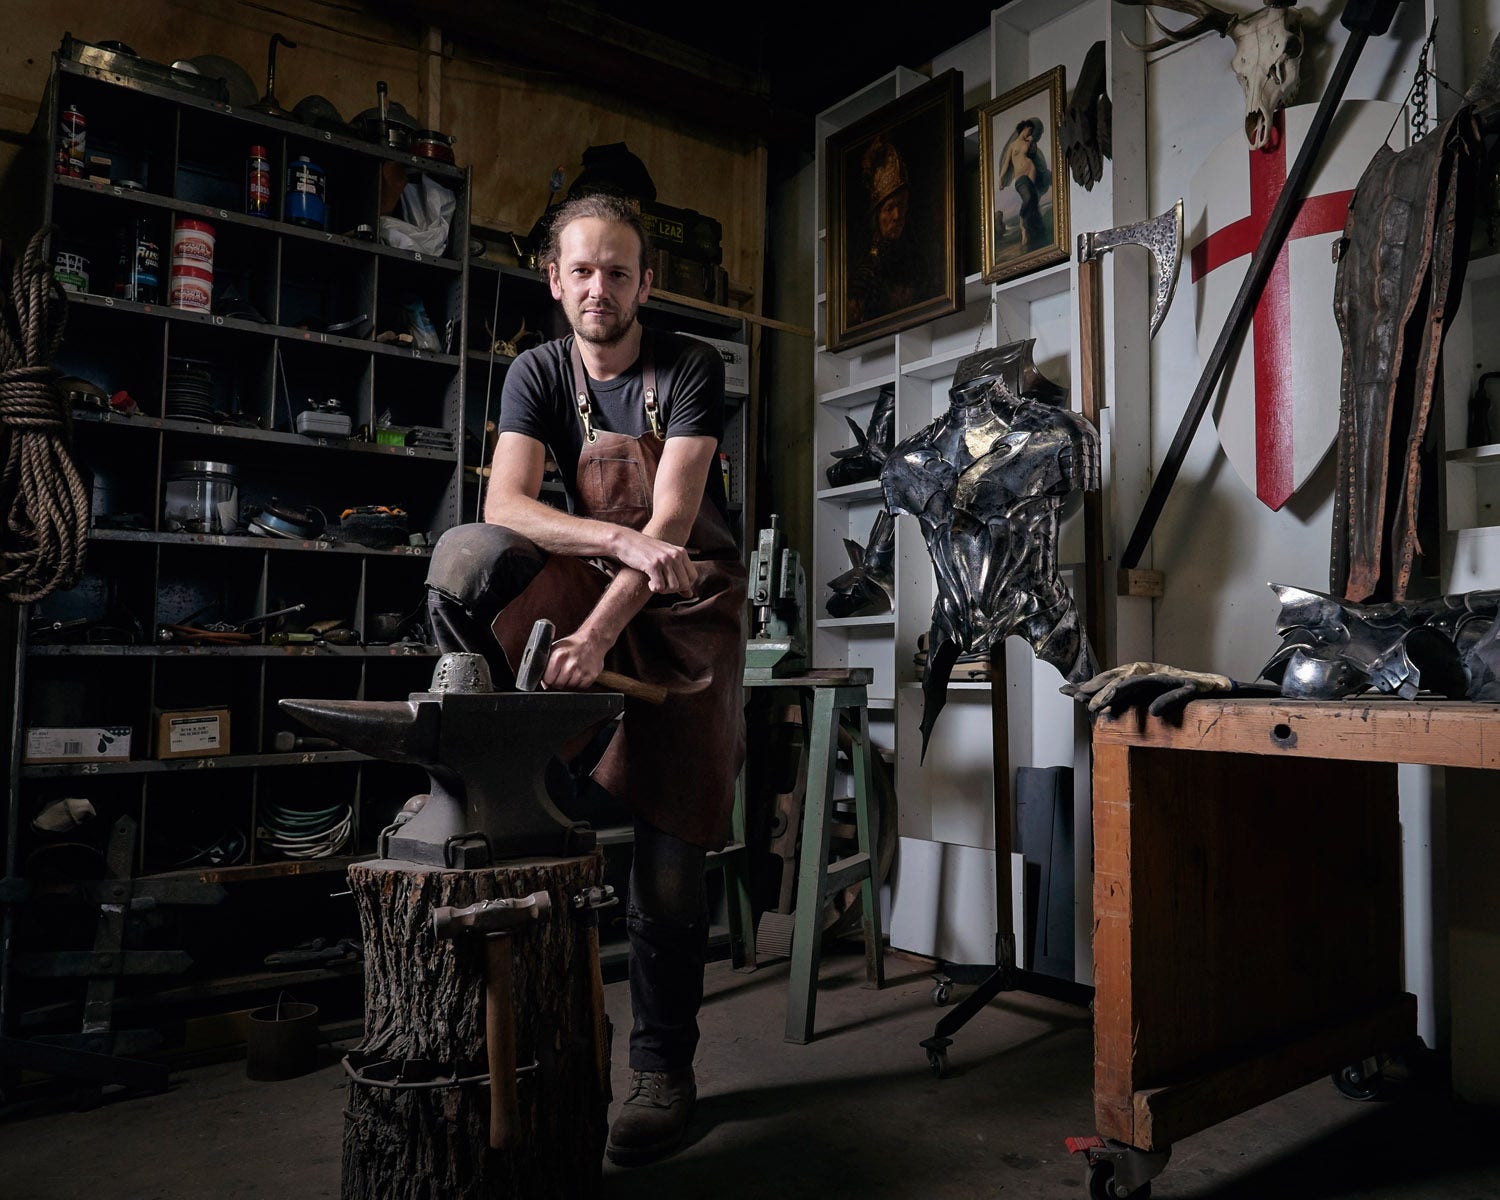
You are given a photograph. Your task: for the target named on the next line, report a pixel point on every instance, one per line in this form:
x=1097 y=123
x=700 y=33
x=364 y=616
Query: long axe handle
x=1091 y=390
x=1362 y=18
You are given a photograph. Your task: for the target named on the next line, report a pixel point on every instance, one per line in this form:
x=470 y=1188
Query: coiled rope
x=42 y=497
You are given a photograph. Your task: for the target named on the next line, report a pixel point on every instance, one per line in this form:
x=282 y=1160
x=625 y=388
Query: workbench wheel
x=942 y=993
x=937 y=1060
x=1353 y=1082
x=1102 y=1184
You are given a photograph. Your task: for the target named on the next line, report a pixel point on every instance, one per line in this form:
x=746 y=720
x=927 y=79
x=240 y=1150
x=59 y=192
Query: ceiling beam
x=594 y=50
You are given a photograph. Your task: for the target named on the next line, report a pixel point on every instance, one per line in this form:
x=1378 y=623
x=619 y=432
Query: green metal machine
x=778 y=603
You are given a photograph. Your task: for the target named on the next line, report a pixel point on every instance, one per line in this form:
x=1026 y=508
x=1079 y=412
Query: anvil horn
x=1162 y=235
x=397 y=730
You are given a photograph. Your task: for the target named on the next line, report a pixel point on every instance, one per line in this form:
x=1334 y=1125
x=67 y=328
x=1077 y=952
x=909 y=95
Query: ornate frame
x=1005 y=256
x=878 y=285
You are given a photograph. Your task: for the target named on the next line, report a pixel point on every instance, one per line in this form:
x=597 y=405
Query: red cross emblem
x=1282 y=422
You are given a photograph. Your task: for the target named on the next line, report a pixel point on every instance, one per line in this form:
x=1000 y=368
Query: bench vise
x=485 y=754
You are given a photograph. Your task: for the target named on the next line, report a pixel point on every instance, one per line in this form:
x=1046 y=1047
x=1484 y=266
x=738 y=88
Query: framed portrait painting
x=892 y=221
x=1023 y=180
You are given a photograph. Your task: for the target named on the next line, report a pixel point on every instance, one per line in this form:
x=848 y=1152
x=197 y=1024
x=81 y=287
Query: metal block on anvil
x=485 y=753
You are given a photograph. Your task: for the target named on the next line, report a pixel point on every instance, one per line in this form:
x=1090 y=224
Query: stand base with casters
x=1117 y=1170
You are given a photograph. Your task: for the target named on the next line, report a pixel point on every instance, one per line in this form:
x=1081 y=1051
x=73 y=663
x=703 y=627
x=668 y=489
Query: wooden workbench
x=1247 y=899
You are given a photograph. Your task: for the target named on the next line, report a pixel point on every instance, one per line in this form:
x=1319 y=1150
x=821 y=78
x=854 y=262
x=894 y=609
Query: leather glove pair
x=1162 y=690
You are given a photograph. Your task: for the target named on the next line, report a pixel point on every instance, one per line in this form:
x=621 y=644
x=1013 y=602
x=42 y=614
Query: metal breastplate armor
x=986 y=482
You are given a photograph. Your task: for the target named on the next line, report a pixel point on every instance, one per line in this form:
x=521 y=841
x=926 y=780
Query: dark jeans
x=476 y=570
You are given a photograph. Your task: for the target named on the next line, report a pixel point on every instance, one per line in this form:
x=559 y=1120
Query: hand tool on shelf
x=495 y=921
x=539 y=649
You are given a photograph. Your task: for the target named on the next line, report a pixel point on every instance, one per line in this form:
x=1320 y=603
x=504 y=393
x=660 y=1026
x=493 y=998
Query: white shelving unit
x=944 y=899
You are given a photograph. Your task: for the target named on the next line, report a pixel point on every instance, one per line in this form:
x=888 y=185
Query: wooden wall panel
x=512 y=127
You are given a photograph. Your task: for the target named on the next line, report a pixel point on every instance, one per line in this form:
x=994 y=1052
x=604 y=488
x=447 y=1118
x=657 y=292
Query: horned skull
x=1267 y=52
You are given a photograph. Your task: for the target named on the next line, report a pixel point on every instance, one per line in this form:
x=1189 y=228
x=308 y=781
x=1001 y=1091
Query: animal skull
x=1268 y=49
x=1267 y=53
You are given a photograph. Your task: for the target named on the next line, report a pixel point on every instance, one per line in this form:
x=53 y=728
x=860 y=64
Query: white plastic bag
x=423 y=217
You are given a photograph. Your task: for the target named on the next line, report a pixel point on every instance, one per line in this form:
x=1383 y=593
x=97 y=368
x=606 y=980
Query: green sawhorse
x=828 y=698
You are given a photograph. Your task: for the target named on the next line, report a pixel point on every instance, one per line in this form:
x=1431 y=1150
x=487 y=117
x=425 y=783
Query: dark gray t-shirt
x=537 y=400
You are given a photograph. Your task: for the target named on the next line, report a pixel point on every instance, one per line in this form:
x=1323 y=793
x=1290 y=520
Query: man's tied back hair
x=603 y=206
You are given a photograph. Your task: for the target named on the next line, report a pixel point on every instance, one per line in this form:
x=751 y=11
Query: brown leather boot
x=653 y=1118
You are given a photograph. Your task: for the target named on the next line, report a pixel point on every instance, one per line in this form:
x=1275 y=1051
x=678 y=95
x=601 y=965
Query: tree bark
x=425 y=1022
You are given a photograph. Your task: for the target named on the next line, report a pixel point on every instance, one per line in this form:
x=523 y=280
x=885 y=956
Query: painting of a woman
x=1024 y=217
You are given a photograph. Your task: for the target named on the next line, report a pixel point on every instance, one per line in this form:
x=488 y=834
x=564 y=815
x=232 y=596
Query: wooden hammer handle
x=500 y=1039
x=613 y=681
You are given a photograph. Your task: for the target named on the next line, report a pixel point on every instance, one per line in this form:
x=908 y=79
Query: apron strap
x=648 y=380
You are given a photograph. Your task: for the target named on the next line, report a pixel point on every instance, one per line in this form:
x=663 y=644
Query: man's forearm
x=553 y=530
x=629 y=590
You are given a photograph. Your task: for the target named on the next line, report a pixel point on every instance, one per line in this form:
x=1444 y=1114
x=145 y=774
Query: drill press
x=778 y=599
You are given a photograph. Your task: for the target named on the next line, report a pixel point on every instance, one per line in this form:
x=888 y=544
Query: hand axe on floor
x=539 y=650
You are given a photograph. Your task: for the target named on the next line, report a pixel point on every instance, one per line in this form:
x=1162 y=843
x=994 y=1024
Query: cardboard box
x=192 y=732
x=736 y=356
x=78 y=744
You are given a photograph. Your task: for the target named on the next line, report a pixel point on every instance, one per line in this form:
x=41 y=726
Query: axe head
x=1162 y=235
x=534 y=657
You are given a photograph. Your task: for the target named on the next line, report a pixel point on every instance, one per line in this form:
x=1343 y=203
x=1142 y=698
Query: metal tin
x=71 y=142
x=306 y=185
x=258 y=182
x=71 y=271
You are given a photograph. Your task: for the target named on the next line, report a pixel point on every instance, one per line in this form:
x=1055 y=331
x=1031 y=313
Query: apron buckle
x=585 y=414
x=652 y=414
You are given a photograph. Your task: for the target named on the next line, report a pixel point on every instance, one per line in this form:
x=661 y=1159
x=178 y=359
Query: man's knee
x=470 y=562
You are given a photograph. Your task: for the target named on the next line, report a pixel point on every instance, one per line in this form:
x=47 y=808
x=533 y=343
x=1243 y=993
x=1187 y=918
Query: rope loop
x=43 y=501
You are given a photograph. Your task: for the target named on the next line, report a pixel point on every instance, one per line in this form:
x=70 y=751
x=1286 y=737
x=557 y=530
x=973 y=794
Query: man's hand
x=574 y=664
x=666 y=566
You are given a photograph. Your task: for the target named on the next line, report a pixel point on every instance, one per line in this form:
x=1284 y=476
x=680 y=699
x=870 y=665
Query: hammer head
x=1162 y=235
x=534 y=657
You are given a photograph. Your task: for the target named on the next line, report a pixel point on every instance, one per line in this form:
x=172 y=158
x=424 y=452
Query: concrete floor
x=856 y=1113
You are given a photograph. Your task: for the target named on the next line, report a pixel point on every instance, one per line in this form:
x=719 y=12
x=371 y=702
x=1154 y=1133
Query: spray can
x=305 y=186
x=72 y=137
x=138 y=276
x=258 y=182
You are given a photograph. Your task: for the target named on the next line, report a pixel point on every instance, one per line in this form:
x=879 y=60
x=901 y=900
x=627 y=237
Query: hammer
x=534 y=666
x=494 y=920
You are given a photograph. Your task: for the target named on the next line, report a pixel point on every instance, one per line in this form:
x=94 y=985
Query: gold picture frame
x=1023 y=180
x=893 y=246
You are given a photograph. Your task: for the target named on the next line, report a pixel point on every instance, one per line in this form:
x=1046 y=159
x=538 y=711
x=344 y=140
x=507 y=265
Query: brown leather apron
x=675 y=763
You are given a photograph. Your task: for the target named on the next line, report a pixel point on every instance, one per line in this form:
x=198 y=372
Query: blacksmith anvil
x=485 y=753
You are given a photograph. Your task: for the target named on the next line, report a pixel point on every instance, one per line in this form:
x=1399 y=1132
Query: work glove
x=1162 y=690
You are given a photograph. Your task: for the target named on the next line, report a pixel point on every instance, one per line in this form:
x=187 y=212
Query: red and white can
x=72 y=140
x=193 y=244
x=192 y=288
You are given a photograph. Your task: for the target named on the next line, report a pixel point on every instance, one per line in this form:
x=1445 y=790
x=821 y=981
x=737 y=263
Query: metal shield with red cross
x=1278 y=408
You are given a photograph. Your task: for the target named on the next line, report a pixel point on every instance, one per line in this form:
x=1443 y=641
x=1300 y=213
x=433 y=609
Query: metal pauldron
x=1333 y=649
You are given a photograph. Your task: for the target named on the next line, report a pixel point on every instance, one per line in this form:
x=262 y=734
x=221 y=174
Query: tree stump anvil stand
x=417 y=1121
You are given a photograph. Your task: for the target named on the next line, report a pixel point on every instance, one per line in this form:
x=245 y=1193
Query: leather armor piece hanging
x=1397 y=288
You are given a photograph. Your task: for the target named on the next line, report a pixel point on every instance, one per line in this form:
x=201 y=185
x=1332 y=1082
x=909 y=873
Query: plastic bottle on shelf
x=305 y=188
x=138 y=276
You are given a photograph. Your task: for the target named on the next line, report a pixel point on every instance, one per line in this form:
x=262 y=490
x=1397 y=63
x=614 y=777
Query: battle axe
x=1162 y=236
